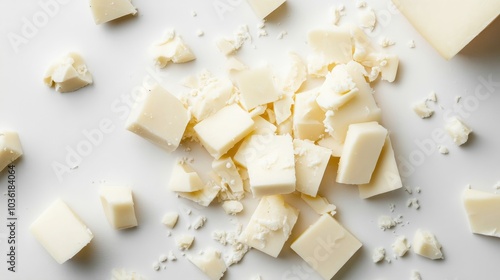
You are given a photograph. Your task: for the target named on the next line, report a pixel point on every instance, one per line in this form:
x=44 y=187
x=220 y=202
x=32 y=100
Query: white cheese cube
x=426 y=245
x=400 y=246
x=483 y=212
x=107 y=10
x=330 y=45
x=10 y=148
x=61 y=232
x=257 y=87
x=159 y=118
x=310 y=165
x=458 y=131
x=221 y=131
x=68 y=74
x=184 y=179
x=319 y=204
x=232 y=207
x=227 y=171
x=210 y=262
x=385 y=177
x=270 y=226
x=271 y=167
x=184 y=241
x=308 y=116
x=262 y=8
x=170 y=219
x=118 y=205
x=362 y=148
x=204 y=196
x=328 y=239
x=449 y=25
x=337 y=89
x=171 y=49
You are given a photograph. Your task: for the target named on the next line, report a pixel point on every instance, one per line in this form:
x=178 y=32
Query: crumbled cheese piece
x=311 y=161
x=413 y=202
x=336 y=13
x=385 y=42
x=184 y=242
x=378 y=254
x=458 y=98
x=118 y=205
x=184 y=179
x=400 y=246
x=426 y=245
x=411 y=44
x=156 y=266
x=199 y=222
x=227 y=171
x=296 y=75
x=238 y=249
x=122 y=274
x=171 y=49
x=458 y=131
x=483 y=211
x=210 y=262
x=415 y=275
x=418 y=190
x=200 y=33
x=234 y=64
x=337 y=90
x=68 y=74
x=232 y=207
x=368 y=19
x=230 y=46
x=204 y=196
x=108 y=10
x=10 y=148
x=194 y=13
x=422 y=110
x=319 y=204
x=171 y=256
x=432 y=96
x=163 y=258
x=443 y=150
x=386 y=222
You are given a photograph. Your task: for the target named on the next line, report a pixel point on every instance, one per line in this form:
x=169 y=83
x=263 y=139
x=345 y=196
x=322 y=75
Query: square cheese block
x=108 y=10
x=449 y=25
x=10 y=148
x=271 y=166
x=308 y=116
x=337 y=89
x=385 y=177
x=326 y=246
x=118 y=205
x=483 y=211
x=310 y=165
x=61 y=232
x=210 y=262
x=227 y=171
x=362 y=148
x=68 y=74
x=221 y=131
x=160 y=118
x=184 y=179
x=262 y=8
x=171 y=49
x=257 y=87
x=270 y=226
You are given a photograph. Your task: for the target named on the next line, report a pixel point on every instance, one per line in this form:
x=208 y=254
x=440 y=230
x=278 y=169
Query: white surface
x=50 y=123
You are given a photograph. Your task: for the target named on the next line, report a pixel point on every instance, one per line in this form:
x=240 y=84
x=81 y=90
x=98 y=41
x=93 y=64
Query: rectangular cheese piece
x=271 y=166
x=160 y=118
x=257 y=87
x=270 y=226
x=118 y=205
x=10 y=148
x=449 y=25
x=262 y=8
x=221 y=131
x=483 y=211
x=184 y=179
x=210 y=262
x=227 y=171
x=326 y=246
x=107 y=10
x=362 y=149
x=308 y=116
x=264 y=130
x=310 y=165
x=385 y=177
x=61 y=232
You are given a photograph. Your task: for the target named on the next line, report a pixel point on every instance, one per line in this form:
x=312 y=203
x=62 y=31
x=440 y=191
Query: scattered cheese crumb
x=408 y=190
x=163 y=258
x=458 y=131
x=200 y=222
x=184 y=242
x=282 y=34
x=443 y=149
x=458 y=98
x=413 y=202
x=418 y=189
x=385 y=42
x=422 y=110
x=378 y=254
x=170 y=219
x=386 y=222
x=200 y=33
x=194 y=14
x=336 y=13
x=411 y=44
x=400 y=246
x=415 y=275
x=232 y=207
x=432 y=96
x=171 y=256
x=156 y=266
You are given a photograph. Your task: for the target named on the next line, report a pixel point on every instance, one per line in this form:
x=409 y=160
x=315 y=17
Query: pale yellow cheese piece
x=337 y=89
x=68 y=74
x=118 y=205
x=171 y=48
x=483 y=211
x=262 y=8
x=227 y=171
x=184 y=179
x=308 y=116
x=204 y=196
x=257 y=87
x=10 y=148
x=426 y=245
x=263 y=131
x=319 y=204
x=107 y=10
x=210 y=262
x=310 y=165
x=331 y=45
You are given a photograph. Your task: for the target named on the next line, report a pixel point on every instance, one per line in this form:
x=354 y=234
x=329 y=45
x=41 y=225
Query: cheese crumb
x=413 y=202
x=386 y=222
x=422 y=110
x=156 y=266
x=171 y=256
x=184 y=242
x=443 y=149
x=232 y=207
x=411 y=44
x=415 y=275
x=400 y=246
x=378 y=254
x=170 y=219
x=385 y=42
x=458 y=131
x=432 y=96
x=163 y=258
x=200 y=222
x=200 y=33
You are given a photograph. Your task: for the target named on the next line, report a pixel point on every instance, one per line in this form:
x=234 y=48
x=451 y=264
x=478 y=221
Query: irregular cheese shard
x=270 y=226
x=483 y=212
x=68 y=74
x=61 y=232
x=458 y=130
x=385 y=177
x=310 y=165
x=210 y=262
x=422 y=110
x=400 y=246
x=171 y=49
x=107 y=10
x=257 y=87
x=326 y=246
x=159 y=118
x=184 y=241
x=337 y=89
x=362 y=148
x=329 y=46
x=368 y=19
x=308 y=116
x=264 y=131
x=283 y=108
x=232 y=207
x=271 y=166
x=334 y=146
x=204 y=196
x=170 y=219
x=10 y=148
x=426 y=245
x=262 y=8
x=296 y=74
x=227 y=171
x=378 y=254
x=463 y=21
x=184 y=179
x=221 y=131
x=118 y=205
x=319 y=204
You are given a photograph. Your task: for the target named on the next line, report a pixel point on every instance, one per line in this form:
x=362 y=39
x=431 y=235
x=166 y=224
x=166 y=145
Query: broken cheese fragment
x=483 y=210
x=257 y=87
x=10 y=148
x=262 y=8
x=108 y=10
x=171 y=48
x=204 y=196
x=330 y=46
x=232 y=207
x=184 y=241
x=426 y=245
x=227 y=171
x=68 y=74
x=184 y=179
x=210 y=262
x=170 y=219
x=458 y=131
x=319 y=204
x=118 y=205
x=310 y=165
x=308 y=116
x=337 y=89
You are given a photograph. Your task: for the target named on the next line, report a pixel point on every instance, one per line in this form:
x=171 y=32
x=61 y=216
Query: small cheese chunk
x=61 y=232
x=483 y=212
x=283 y=108
x=329 y=46
x=257 y=87
x=426 y=245
x=378 y=254
x=422 y=110
x=210 y=262
x=232 y=207
x=337 y=89
x=368 y=19
x=263 y=130
x=308 y=116
x=400 y=246
x=171 y=49
x=118 y=205
x=334 y=146
x=159 y=118
x=108 y=10
x=262 y=8
x=310 y=165
x=234 y=64
x=68 y=74
x=385 y=177
x=319 y=204
x=328 y=239
x=270 y=226
x=362 y=148
x=271 y=167
x=221 y=131
x=211 y=96
x=10 y=148
x=204 y=196
x=296 y=74
x=184 y=179
x=184 y=241
x=227 y=171
x=388 y=65
x=458 y=131
x=170 y=219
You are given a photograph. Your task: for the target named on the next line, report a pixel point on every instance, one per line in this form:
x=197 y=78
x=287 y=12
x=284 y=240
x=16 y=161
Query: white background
x=50 y=123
